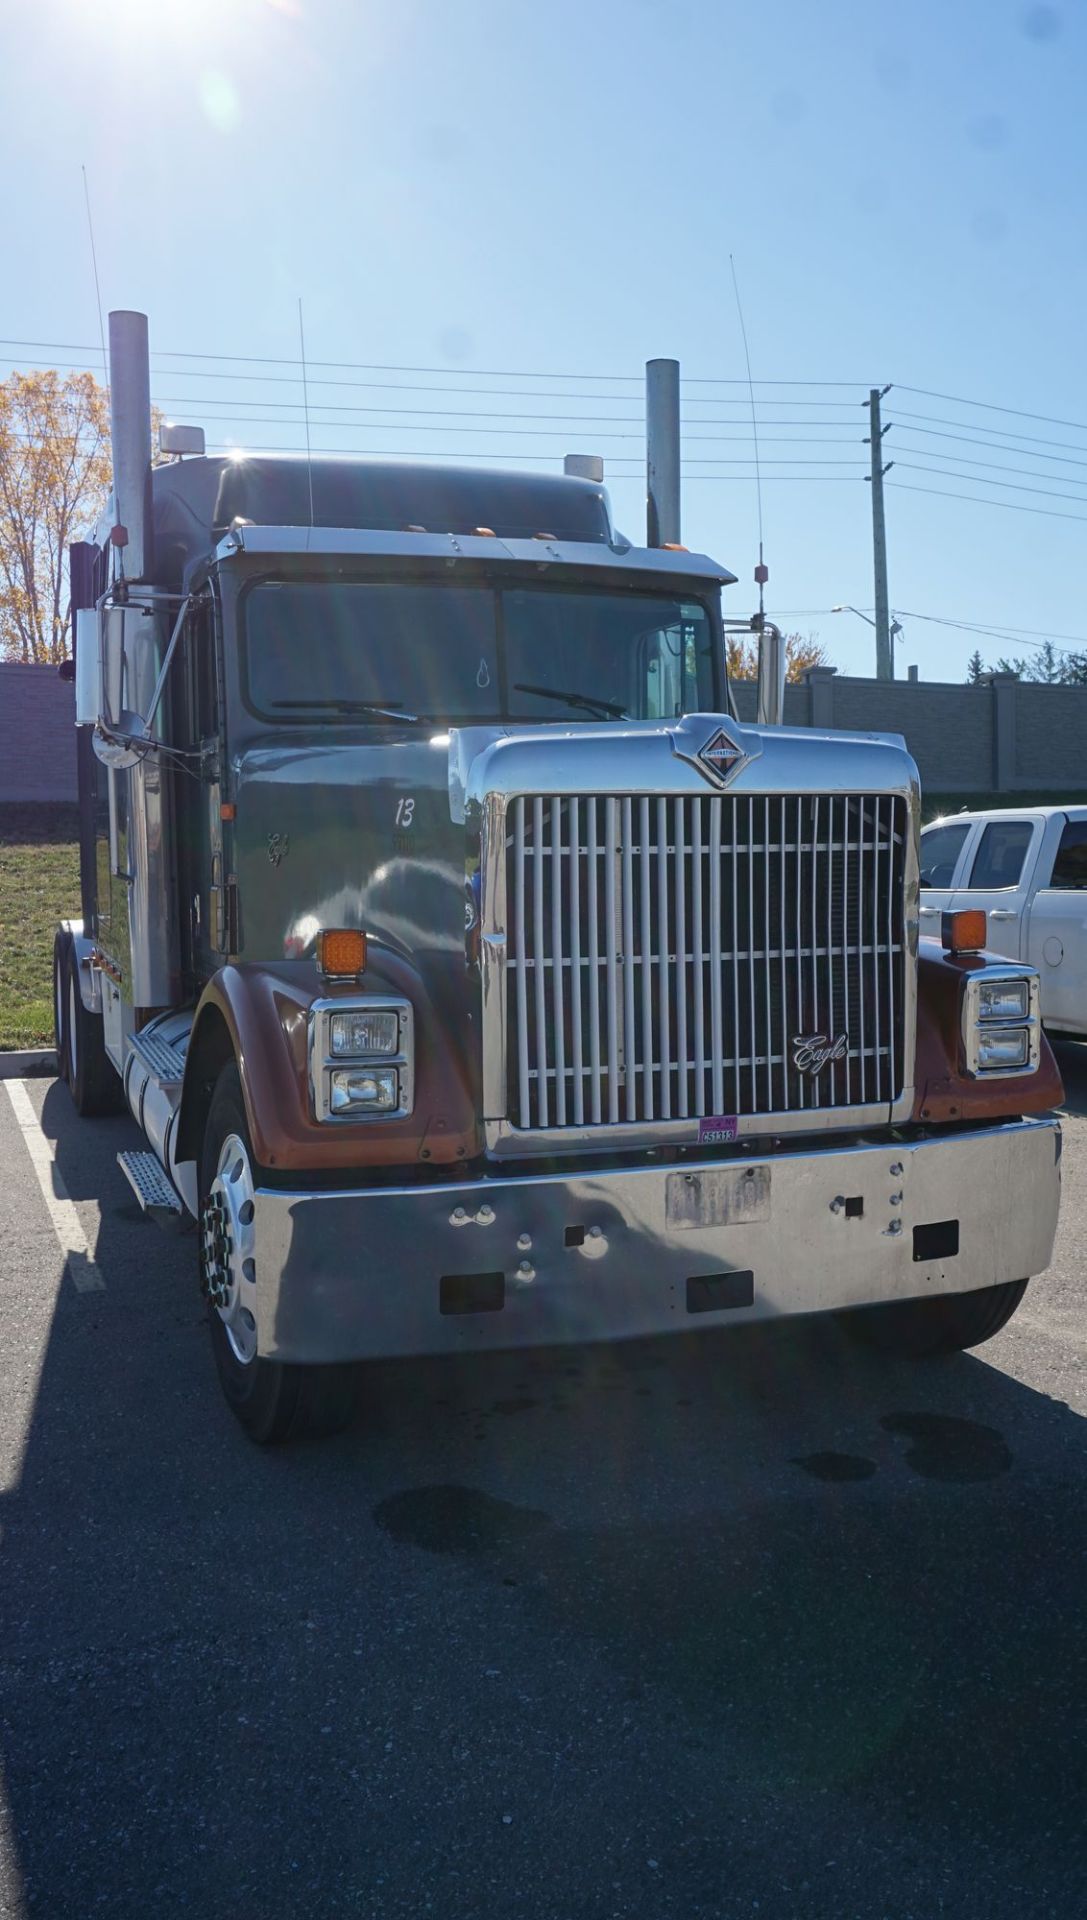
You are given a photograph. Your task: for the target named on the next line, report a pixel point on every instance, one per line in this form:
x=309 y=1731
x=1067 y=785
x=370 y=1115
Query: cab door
x=944 y=852
x=1057 y=926
x=998 y=879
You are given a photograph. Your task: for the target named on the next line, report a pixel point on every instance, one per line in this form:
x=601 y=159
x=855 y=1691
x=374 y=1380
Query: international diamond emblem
x=722 y=755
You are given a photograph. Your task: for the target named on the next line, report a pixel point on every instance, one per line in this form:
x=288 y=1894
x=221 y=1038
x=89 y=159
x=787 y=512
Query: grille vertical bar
x=682 y=984
x=697 y=960
x=520 y=961
x=672 y=957
x=629 y=1051
x=611 y=937
x=592 y=908
x=558 y=950
x=665 y=982
x=574 y=869
x=645 y=877
x=717 y=1036
x=538 y=958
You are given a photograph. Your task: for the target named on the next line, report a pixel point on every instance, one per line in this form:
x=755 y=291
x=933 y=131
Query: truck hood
x=337 y=827
x=338 y=831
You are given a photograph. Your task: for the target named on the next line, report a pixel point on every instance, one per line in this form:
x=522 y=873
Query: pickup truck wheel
x=93 y=1081
x=61 y=949
x=922 y=1329
x=272 y=1401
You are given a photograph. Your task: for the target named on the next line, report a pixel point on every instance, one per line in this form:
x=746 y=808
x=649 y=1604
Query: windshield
x=469 y=653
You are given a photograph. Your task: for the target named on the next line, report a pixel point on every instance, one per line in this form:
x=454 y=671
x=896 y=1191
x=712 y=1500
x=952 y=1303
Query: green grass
x=39 y=885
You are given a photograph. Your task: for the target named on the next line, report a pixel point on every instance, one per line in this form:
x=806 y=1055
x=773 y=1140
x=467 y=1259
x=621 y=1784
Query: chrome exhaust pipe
x=130 y=435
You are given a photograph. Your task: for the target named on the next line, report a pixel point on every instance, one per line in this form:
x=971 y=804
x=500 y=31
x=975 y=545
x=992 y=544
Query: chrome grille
x=666 y=955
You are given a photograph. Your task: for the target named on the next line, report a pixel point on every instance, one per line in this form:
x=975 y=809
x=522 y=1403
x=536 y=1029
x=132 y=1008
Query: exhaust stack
x=662 y=453
x=130 y=433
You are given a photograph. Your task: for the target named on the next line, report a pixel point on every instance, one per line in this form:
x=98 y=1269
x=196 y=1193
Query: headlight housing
x=362 y=1059
x=1007 y=1000
x=1001 y=1026
x=363 y=1033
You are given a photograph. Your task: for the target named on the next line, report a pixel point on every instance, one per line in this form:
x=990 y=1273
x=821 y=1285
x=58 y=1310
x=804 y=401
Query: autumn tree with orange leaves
x=54 y=480
x=801 y=652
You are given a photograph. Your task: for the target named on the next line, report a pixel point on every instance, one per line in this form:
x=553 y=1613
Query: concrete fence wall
x=1003 y=737
x=37 y=734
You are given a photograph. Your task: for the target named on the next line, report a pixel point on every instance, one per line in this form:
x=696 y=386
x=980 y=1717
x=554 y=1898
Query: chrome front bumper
x=542 y=1260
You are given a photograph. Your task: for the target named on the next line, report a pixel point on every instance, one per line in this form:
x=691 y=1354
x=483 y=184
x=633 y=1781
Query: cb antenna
x=305 y=406
x=94 y=264
x=762 y=571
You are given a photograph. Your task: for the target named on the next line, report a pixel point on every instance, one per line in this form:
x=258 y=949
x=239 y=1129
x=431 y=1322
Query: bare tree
x=54 y=479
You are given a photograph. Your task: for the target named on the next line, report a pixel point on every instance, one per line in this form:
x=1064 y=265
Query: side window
x=1070 y=866
x=203 y=676
x=940 y=849
x=670 y=665
x=998 y=861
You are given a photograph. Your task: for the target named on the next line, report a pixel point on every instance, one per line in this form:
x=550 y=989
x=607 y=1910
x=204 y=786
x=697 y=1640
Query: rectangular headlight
x=363 y=1032
x=364 y=1090
x=1003 y=999
x=1002 y=1049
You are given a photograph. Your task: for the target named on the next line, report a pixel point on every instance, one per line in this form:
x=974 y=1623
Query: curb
x=28 y=1063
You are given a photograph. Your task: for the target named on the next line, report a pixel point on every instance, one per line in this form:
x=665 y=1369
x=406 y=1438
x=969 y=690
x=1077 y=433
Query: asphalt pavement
x=751 y=1623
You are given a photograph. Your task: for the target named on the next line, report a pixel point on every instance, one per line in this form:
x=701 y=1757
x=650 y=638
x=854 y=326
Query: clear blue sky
x=557 y=190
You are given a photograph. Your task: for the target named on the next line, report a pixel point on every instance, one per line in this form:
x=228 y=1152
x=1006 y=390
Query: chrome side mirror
x=88 y=668
x=771 y=675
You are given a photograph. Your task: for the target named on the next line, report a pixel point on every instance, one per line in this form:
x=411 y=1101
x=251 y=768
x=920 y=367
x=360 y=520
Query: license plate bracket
x=717 y=1197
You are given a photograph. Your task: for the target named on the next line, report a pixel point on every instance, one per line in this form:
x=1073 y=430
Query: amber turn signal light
x=963 y=932
x=341 y=952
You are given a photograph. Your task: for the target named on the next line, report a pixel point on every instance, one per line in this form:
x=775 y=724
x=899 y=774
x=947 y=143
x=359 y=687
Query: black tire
x=272 y=1401
x=62 y=947
x=922 y=1329
x=93 y=1080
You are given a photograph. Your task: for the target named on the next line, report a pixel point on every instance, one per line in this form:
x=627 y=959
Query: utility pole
x=885 y=667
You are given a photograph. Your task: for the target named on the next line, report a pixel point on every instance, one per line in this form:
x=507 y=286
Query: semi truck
x=476 y=977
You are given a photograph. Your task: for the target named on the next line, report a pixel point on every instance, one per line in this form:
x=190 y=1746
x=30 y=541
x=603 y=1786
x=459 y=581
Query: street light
x=896 y=627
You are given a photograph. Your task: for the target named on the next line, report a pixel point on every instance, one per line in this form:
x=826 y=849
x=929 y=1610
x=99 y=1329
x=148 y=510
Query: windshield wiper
x=587 y=701
x=357 y=706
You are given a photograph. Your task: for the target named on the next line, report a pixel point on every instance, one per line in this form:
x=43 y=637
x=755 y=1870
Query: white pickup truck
x=1027 y=867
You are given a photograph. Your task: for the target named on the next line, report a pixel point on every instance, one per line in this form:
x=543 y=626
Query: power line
x=402 y=386
x=1048 y=493
x=1007 y=506
x=233 y=407
x=992 y=446
x=378 y=366
x=978 y=426
x=637 y=468
x=1036 y=635
x=1018 y=413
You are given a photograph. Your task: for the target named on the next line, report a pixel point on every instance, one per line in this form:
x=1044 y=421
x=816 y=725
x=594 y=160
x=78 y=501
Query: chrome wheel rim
x=229 y=1248
x=58 y=1009
x=73 y=1032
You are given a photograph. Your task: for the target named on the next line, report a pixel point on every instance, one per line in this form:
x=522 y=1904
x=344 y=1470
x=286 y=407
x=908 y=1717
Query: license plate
x=718 y=1197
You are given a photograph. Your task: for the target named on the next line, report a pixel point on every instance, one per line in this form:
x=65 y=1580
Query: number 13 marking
x=405 y=813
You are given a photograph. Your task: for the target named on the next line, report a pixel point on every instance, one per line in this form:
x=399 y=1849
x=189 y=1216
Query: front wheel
x=272 y=1401
x=922 y=1329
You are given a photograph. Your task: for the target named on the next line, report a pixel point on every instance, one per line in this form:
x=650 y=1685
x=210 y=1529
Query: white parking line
x=62 y=1210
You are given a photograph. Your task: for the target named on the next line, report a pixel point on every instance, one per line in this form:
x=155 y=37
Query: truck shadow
x=789 y=1614
x=1072 y=1061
